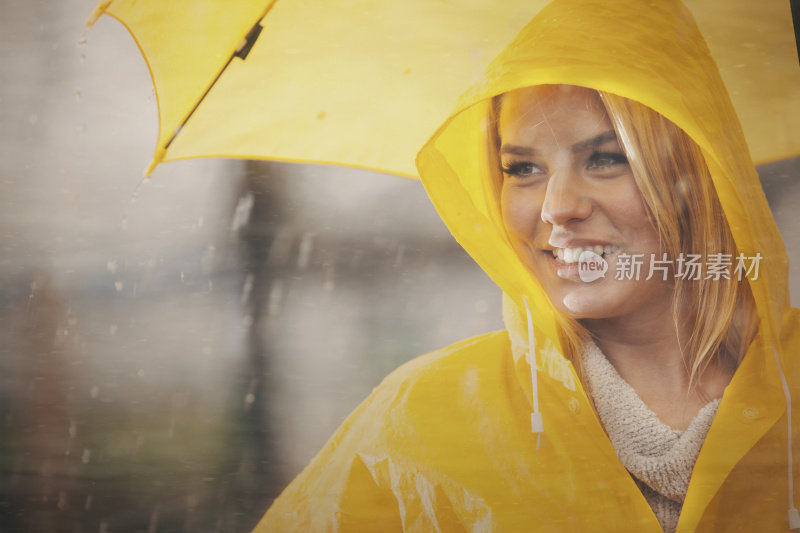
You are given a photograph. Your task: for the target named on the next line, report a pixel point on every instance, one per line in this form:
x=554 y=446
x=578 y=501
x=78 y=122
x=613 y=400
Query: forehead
x=563 y=109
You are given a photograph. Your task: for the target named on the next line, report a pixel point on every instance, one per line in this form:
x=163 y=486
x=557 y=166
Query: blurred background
x=174 y=350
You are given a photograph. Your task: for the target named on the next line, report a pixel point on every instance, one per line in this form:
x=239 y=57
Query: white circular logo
x=591 y=266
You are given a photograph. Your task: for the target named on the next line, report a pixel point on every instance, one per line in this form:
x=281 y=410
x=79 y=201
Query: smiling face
x=567 y=187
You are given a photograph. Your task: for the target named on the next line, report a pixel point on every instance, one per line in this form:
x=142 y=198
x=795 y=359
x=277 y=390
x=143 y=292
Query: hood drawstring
x=537 y=425
x=794 y=516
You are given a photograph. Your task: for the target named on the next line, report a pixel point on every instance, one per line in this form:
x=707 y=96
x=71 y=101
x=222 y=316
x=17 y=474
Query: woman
x=599 y=175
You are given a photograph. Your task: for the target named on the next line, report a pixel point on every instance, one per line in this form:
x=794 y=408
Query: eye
x=606 y=160
x=521 y=169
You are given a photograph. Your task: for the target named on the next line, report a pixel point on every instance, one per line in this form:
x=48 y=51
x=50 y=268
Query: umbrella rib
x=241 y=52
x=794 y=5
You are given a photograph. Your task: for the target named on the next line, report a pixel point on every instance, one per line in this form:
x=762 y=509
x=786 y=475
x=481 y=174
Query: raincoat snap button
x=574 y=405
x=750 y=413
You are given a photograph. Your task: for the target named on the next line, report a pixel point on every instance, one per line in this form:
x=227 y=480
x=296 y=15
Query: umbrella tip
x=158 y=157
x=149 y=168
x=98 y=10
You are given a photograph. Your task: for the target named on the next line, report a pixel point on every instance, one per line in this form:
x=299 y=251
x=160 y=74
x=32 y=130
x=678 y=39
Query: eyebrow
x=594 y=142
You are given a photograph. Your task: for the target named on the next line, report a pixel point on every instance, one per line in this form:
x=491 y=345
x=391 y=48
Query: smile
x=571 y=255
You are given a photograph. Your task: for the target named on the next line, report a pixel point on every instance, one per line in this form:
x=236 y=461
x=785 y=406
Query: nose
x=565 y=199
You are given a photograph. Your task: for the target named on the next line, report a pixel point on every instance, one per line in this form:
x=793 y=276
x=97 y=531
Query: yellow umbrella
x=364 y=83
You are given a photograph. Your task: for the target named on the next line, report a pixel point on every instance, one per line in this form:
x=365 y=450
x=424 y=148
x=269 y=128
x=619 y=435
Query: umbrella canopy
x=364 y=83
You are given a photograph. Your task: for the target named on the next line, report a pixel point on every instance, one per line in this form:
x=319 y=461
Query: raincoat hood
x=650 y=52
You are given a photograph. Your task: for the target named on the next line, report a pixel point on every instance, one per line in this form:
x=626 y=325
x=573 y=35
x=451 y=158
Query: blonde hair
x=683 y=206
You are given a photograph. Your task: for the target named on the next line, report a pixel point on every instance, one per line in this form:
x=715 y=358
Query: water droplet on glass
x=86 y=456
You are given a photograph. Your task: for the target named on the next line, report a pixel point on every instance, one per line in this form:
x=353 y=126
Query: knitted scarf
x=659 y=458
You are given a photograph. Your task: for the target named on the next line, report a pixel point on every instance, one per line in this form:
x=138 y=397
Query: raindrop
x=140 y=373
x=94 y=391
x=111 y=265
x=247 y=289
x=249 y=399
x=112 y=330
x=62 y=500
x=87 y=455
x=118 y=285
x=88 y=504
x=77 y=93
x=33 y=118
x=304 y=253
x=82 y=40
x=242 y=214
x=274 y=299
x=73 y=429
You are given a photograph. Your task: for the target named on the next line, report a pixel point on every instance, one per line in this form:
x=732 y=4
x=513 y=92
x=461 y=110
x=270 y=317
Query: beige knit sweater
x=659 y=458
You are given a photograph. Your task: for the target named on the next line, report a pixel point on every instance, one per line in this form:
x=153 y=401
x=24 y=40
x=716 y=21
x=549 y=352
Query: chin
x=580 y=306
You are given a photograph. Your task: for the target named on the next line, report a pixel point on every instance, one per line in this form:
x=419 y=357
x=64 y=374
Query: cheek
x=521 y=210
x=631 y=211
x=627 y=212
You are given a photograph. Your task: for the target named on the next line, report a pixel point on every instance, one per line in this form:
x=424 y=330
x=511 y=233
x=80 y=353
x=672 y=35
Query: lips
x=571 y=255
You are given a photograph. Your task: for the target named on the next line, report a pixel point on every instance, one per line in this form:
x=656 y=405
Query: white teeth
x=571 y=255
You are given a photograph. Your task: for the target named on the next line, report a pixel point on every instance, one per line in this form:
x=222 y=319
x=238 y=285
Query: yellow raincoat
x=445 y=442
